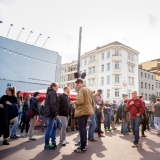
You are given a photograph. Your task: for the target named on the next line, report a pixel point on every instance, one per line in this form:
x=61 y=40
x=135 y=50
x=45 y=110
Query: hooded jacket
x=51 y=104
x=34 y=105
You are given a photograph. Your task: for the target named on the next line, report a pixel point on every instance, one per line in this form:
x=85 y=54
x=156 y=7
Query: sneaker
x=13 y=137
x=53 y=145
x=102 y=132
x=16 y=136
x=64 y=143
x=5 y=143
x=93 y=139
x=106 y=129
x=109 y=129
x=21 y=135
x=101 y=135
x=80 y=150
x=49 y=147
x=144 y=135
x=32 y=139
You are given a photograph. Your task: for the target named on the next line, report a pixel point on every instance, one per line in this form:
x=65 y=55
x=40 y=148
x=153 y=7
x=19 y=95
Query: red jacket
x=133 y=110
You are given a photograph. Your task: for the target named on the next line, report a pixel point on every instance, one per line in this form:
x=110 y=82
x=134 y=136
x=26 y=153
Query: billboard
x=26 y=63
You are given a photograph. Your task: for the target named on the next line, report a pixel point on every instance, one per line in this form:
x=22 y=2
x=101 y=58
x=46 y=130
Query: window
x=141 y=74
x=116 y=78
x=102 y=80
x=128 y=68
x=145 y=75
x=108 y=66
x=132 y=70
x=148 y=76
x=145 y=96
x=152 y=87
x=90 y=70
x=93 y=81
x=116 y=65
x=94 y=70
x=129 y=56
x=156 y=85
x=102 y=68
x=116 y=92
x=145 y=85
x=149 y=86
x=116 y=52
x=102 y=56
x=159 y=85
x=73 y=86
x=132 y=81
x=149 y=95
x=141 y=84
x=108 y=54
x=152 y=77
x=108 y=79
x=90 y=59
x=157 y=94
x=85 y=62
x=108 y=93
x=93 y=58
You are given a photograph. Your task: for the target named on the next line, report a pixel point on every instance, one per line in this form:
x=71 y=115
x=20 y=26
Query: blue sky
x=133 y=23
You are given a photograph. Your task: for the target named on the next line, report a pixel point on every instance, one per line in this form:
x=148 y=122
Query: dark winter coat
x=34 y=105
x=51 y=104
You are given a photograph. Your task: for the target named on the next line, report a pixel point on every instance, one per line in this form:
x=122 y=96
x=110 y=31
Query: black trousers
x=25 y=121
x=99 y=118
x=82 y=124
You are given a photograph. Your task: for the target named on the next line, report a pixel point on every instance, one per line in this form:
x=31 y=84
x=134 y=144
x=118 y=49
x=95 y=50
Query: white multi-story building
x=112 y=68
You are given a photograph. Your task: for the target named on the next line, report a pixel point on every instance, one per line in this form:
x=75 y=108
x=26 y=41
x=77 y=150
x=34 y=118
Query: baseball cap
x=99 y=90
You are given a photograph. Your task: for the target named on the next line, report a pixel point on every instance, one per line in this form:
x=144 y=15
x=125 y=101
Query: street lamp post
x=29 y=35
x=37 y=39
x=9 y=29
x=20 y=33
x=45 y=41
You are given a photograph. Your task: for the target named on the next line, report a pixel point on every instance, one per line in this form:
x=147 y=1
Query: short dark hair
x=65 y=88
x=158 y=99
x=35 y=94
x=141 y=96
x=79 y=81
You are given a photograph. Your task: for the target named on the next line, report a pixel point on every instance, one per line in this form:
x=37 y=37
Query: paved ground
x=114 y=146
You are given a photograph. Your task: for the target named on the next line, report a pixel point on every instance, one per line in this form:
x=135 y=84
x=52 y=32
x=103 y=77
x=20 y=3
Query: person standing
x=107 y=116
x=136 y=108
x=6 y=102
x=99 y=103
x=144 y=123
x=35 y=107
x=156 y=111
x=63 y=114
x=84 y=109
x=20 y=106
x=51 y=114
x=25 y=119
x=114 y=114
x=92 y=127
x=42 y=107
x=124 y=118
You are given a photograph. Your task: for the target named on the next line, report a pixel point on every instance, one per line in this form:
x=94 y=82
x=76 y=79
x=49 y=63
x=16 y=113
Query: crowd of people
x=59 y=111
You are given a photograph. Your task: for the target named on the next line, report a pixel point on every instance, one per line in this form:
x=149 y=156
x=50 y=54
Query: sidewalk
x=114 y=146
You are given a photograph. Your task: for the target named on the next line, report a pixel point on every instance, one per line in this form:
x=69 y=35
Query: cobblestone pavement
x=114 y=146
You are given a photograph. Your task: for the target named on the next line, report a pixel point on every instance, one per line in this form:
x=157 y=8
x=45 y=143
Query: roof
x=116 y=43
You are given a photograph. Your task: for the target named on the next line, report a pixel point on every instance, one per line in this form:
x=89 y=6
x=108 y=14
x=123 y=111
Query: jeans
x=25 y=121
x=42 y=122
x=19 y=117
x=14 y=128
x=82 y=124
x=92 y=126
x=152 y=121
x=99 y=117
x=32 y=125
x=64 y=123
x=157 y=124
x=135 y=128
x=107 y=120
x=50 y=131
x=124 y=126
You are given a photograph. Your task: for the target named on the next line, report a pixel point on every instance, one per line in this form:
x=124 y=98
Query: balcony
x=131 y=61
x=117 y=57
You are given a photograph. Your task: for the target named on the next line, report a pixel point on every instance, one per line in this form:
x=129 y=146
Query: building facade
x=27 y=67
x=152 y=66
x=148 y=84
x=112 y=68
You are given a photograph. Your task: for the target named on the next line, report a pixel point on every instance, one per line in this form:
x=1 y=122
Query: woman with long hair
x=25 y=119
x=6 y=102
x=20 y=106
